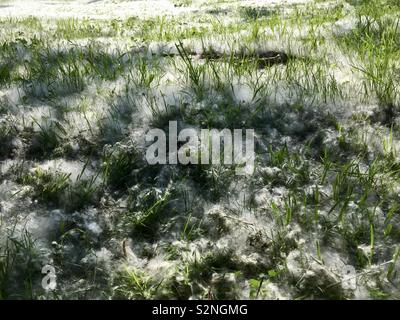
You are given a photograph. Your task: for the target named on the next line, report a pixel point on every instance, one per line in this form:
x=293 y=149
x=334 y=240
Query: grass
x=319 y=83
x=118 y=166
x=135 y=285
x=46 y=185
x=375 y=40
x=19 y=267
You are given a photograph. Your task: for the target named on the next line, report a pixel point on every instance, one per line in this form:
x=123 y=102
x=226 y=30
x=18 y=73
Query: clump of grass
x=293 y=170
x=119 y=163
x=58 y=71
x=7 y=133
x=195 y=73
x=5 y=73
x=375 y=41
x=220 y=261
x=47 y=139
x=83 y=192
x=148 y=72
x=104 y=65
x=134 y=284
x=252 y=13
x=146 y=209
x=212 y=180
x=51 y=73
x=191 y=229
x=10 y=58
x=19 y=267
x=72 y=28
x=47 y=186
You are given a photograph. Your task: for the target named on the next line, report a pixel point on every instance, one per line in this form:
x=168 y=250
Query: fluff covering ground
x=81 y=82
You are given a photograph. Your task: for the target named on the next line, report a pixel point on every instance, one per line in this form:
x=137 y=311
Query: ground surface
x=81 y=82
